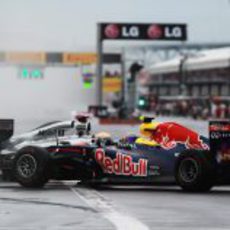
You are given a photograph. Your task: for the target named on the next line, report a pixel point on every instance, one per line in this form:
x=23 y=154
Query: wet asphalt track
x=66 y=205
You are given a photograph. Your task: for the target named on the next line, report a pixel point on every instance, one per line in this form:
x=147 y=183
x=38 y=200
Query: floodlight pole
x=182 y=83
x=123 y=77
x=99 y=66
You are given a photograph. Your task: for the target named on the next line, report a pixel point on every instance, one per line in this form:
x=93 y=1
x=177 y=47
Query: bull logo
x=169 y=134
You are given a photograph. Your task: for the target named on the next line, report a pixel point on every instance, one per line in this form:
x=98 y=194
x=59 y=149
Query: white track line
x=119 y=218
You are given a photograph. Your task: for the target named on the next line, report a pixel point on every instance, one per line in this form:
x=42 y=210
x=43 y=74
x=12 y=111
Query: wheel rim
x=27 y=165
x=189 y=170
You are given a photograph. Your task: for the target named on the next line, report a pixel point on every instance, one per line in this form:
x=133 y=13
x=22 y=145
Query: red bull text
x=121 y=164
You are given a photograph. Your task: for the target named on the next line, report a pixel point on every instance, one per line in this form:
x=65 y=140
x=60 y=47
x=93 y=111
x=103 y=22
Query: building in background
x=188 y=83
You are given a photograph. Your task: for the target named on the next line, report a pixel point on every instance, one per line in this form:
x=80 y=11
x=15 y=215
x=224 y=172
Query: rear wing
x=6 y=129
x=219 y=134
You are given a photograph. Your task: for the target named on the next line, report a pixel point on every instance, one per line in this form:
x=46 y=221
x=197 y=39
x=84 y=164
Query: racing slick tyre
x=195 y=171
x=30 y=167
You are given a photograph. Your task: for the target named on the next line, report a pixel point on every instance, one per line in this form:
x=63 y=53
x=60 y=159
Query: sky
x=70 y=25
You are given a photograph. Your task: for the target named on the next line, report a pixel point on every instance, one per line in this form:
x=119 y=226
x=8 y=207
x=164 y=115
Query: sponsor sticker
x=121 y=165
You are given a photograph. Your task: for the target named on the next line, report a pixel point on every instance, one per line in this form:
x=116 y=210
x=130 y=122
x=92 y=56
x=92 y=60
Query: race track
x=68 y=206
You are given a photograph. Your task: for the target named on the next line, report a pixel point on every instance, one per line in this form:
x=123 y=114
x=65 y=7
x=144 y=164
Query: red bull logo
x=121 y=164
x=169 y=134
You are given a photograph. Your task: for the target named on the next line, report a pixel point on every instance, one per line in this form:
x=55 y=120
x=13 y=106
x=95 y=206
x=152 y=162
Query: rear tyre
x=195 y=171
x=30 y=167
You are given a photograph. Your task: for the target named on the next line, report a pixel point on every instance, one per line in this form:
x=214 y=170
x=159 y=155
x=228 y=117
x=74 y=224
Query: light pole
x=182 y=81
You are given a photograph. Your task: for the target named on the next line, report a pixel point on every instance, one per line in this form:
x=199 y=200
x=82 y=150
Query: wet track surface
x=54 y=207
x=67 y=205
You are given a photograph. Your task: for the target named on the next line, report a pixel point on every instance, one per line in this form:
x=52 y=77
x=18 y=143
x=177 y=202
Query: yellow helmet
x=146 y=129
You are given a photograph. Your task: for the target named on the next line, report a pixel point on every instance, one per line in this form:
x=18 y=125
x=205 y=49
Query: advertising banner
x=26 y=57
x=83 y=58
x=112 y=85
x=143 y=31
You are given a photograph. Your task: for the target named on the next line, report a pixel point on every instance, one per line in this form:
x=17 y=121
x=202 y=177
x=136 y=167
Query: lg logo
x=113 y=31
x=174 y=32
x=154 y=31
x=157 y=31
x=133 y=32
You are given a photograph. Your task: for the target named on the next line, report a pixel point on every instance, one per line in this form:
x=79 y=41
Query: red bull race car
x=163 y=153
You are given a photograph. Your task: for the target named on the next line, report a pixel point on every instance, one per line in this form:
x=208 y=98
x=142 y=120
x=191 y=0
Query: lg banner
x=139 y=31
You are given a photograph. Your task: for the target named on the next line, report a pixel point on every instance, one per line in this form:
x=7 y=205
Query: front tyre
x=195 y=171
x=30 y=167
